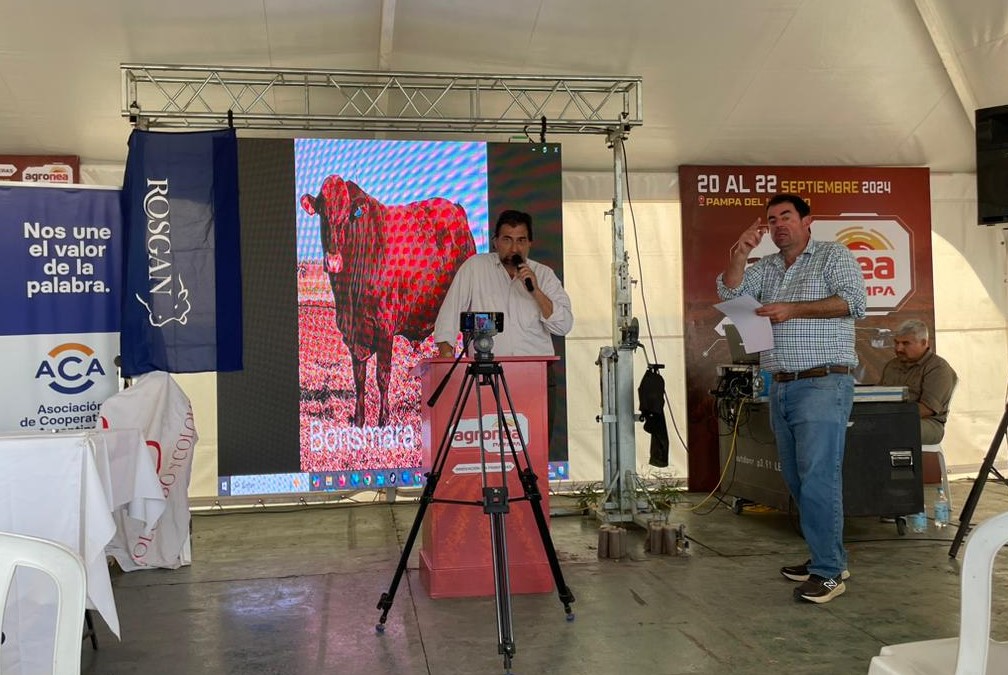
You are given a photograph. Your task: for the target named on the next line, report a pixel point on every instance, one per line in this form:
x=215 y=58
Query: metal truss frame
x=298 y=99
x=314 y=100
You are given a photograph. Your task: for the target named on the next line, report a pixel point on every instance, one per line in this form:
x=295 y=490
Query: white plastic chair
x=66 y=569
x=973 y=652
x=937 y=449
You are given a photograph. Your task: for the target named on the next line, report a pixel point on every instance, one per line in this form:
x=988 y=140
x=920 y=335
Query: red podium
x=456 y=555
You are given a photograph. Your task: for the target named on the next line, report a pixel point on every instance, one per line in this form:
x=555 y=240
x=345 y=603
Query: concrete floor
x=294 y=590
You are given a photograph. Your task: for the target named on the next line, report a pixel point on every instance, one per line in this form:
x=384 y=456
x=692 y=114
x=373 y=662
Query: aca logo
x=69 y=368
x=883 y=248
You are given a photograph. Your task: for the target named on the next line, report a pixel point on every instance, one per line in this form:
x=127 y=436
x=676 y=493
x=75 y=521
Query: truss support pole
x=616 y=368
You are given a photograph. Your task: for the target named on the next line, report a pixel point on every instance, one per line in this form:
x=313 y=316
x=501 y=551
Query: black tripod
x=974 y=496
x=485 y=372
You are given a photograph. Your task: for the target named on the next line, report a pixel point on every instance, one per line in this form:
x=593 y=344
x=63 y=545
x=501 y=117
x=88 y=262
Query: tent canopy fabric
x=817 y=82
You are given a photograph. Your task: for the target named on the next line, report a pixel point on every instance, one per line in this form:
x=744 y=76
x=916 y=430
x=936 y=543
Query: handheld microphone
x=516 y=260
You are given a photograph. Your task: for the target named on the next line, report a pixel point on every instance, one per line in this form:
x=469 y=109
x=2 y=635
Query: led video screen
x=348 y=247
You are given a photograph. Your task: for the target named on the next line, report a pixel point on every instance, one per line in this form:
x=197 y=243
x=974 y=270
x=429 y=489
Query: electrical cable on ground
x=729 y=462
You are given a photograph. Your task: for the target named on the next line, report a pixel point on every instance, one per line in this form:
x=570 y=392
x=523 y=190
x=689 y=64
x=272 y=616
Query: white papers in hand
x=755 y=330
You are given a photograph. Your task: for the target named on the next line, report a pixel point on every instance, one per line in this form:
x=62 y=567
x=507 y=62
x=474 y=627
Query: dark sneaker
x=801 y=573
x=819 y=590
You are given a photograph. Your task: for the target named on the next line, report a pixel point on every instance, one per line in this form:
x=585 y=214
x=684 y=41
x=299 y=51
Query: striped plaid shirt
x=822 y=270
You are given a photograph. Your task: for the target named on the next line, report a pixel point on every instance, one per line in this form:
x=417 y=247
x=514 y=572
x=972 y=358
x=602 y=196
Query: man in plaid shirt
x=812 y=291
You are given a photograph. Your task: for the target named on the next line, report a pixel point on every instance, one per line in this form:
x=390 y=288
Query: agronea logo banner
x=49 y=169
x=881 y=214
x=882 y=246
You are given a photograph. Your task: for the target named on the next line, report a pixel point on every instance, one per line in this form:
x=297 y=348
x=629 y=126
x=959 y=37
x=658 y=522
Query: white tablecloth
x=68 y=487
x=129 y=474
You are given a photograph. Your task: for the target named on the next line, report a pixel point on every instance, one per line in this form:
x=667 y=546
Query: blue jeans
x=809 y=420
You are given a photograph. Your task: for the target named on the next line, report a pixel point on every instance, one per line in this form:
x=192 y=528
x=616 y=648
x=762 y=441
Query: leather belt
x=821 y=371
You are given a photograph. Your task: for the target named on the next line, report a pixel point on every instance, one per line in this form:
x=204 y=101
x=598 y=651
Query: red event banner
x=50 y=169
x=882 y=214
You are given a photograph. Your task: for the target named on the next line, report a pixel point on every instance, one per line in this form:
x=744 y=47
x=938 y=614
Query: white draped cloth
x=126 y=466
x=158 y=407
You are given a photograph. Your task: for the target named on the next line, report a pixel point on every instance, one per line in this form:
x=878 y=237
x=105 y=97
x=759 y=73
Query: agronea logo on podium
x=467 y=434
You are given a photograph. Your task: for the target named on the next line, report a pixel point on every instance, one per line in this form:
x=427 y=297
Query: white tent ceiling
x=871 y=82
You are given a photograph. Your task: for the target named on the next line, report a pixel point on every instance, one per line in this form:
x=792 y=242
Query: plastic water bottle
x=918 y=522
x=941 y=510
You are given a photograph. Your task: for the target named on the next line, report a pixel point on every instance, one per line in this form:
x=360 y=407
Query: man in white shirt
x=534 y=304
x=530 y=295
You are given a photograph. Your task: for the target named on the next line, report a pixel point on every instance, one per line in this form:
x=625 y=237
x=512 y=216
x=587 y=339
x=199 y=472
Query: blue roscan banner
x=181 y=306
x=59 y=305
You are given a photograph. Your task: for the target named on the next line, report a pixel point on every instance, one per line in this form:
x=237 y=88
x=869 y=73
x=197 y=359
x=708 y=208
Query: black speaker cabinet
x=882 y=472
x=992 y=165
